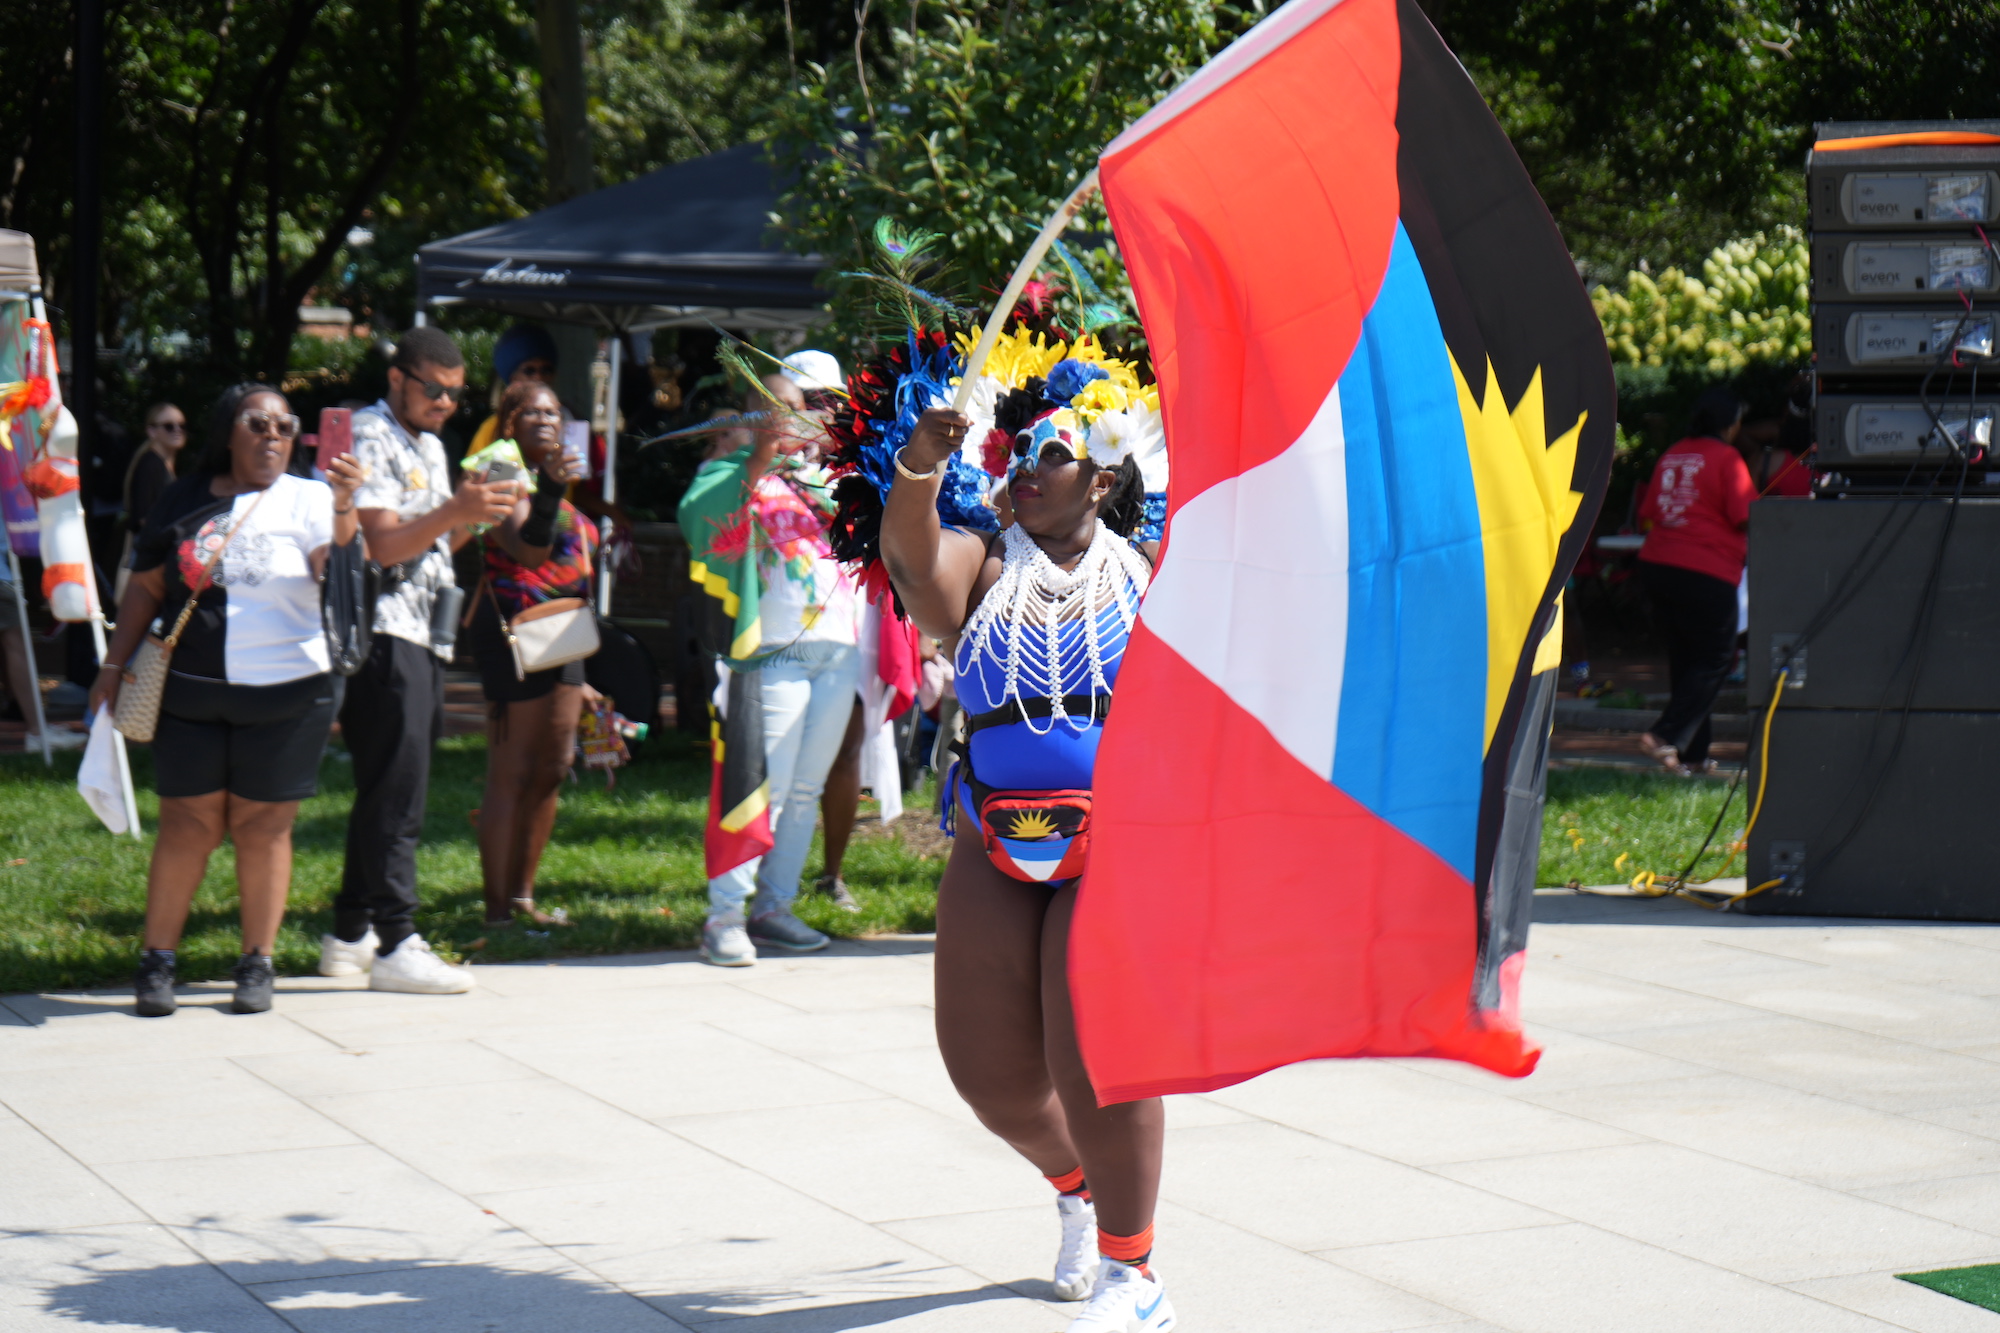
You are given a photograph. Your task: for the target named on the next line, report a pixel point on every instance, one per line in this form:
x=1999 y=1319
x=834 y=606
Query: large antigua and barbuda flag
x=1389 y=412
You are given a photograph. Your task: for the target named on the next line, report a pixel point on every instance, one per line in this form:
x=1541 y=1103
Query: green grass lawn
x=625 y=864
x=1653 y=821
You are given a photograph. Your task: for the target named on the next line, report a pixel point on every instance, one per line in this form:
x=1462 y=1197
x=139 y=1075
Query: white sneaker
x=338 y=958
x=726 y=943
x=1125 y=1301
x=1076 y=1261
x=413 y=969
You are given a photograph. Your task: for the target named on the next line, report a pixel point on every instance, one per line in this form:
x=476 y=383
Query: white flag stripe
x=1253 y=589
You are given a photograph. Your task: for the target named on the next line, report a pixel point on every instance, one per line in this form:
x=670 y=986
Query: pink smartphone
x=336 y=435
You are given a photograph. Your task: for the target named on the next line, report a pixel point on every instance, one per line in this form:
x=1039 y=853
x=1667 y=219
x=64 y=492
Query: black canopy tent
x=687 y=244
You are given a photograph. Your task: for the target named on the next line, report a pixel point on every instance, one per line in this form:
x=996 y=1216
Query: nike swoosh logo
x=1147 y=1313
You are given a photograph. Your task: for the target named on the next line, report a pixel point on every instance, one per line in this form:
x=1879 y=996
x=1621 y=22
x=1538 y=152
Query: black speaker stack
x=1879 y=597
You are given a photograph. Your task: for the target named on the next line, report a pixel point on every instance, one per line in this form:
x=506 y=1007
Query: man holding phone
x=393 y=714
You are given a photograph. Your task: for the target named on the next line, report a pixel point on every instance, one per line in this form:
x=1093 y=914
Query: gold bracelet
x=897 y=458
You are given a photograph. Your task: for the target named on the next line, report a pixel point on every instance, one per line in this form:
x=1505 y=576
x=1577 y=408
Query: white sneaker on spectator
x=338 y=958
x=725 y=943
x=782 y=930
x=413 y=969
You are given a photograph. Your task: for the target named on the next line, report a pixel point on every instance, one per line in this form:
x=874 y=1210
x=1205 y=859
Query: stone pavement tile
x=1579 y=999
x=1796 y=1134
x=48 y=1190
x=122 y=1112
x=10 y=1019
x=1904 y=1304
x=972 y=1310
x=914 y=1073
x=1311 y=1194
x=724 y=1241
x=815 y=1036
x=1569 y=1060
x=1968 y=1201
x=833 y=991
x=122 y=1279
x=679 y=967
x=1668 y=956
x=475 y=1137
x=1406 y=1116
x=1205 y=1264
x=1916 y=956
x=461 y=1298
x=1922 y=1014
x=684 y=1069
x=73 y=1031
x=1983 y=1120
x=1578 y=1279
x=1732 y=1216
x=479 y=1013
x=1857 y=1067
x=876 y=1160
x=317 y=1212
x=327 y=1071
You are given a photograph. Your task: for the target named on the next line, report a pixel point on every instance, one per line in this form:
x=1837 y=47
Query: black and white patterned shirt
x=409 y=477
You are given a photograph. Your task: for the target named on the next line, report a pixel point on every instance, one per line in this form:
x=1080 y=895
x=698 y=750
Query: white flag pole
x=1022 y=272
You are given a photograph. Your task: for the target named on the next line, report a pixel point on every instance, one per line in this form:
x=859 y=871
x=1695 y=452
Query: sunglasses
x=168 y=427
x=434 y=391
x=266 y=423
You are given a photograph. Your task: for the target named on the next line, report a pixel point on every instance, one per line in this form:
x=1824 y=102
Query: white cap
x=814 y=370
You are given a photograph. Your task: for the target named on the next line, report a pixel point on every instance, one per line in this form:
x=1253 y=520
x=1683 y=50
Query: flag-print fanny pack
x=1037 y=836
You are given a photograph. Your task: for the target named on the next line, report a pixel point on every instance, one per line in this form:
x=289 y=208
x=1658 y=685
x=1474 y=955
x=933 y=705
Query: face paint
x=1058 y=430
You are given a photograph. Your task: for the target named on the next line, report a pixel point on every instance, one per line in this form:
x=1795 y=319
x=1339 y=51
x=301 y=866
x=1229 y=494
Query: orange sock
x=1070 y=1182
x=1130 y=1250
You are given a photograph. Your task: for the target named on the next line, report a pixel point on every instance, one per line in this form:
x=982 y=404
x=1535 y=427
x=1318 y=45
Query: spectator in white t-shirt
x=249 y=695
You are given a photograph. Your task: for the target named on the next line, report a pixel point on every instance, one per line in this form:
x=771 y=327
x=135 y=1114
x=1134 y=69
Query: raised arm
x=934 y=568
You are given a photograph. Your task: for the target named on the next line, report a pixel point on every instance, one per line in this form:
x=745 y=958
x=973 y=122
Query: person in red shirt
x=1696 y=511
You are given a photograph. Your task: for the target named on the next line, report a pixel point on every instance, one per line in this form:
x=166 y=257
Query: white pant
x=808 y=697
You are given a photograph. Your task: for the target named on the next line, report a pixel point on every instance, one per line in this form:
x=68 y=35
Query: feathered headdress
x=1034 y=380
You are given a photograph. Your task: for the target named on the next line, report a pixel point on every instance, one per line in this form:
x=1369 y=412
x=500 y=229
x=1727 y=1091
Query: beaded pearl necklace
x=1033 y=589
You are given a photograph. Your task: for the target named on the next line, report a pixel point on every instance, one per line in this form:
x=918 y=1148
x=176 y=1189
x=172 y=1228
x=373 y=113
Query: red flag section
x=1389 y=414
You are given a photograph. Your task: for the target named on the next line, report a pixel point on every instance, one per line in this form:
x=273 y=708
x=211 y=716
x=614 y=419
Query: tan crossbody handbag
x=548 y=635
x=145 y=678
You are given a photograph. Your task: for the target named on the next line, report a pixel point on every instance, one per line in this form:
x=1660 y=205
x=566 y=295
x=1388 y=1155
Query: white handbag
x=555 y=633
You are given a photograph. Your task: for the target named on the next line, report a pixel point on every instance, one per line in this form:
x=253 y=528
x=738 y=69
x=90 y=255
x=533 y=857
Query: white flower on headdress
x=1135 y=432
x=981 y=407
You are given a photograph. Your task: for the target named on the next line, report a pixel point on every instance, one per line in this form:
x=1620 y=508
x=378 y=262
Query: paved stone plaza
x=1738 y=1125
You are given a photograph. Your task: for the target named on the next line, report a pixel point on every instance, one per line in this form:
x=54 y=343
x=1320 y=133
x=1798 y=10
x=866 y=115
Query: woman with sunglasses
x=538 y=553
x=151 y=472
x=249 y=695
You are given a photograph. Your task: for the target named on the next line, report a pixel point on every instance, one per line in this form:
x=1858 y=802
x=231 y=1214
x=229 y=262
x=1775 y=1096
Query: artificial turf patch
x=1978 y=1285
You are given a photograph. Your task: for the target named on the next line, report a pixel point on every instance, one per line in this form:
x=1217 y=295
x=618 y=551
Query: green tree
x=1658 y=129
x=978 y=122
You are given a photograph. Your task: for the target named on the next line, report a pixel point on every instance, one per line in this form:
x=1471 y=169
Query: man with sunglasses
x=413 y=520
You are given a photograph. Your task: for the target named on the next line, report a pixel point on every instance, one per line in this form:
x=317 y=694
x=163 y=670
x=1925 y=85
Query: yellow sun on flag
x=1031 y=825
x=1522 y=479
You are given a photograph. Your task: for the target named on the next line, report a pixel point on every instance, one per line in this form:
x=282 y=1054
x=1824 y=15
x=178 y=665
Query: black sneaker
x=153 y=987
x=253 y=984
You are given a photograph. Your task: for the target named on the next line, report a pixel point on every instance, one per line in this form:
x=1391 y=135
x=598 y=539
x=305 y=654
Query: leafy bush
x=1748 y=307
